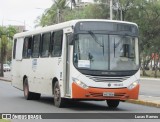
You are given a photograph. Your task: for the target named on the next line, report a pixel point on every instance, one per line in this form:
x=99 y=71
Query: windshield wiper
x=117 y=44
x=96 y=40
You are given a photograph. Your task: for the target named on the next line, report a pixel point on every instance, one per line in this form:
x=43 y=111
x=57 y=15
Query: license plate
x=108 y=94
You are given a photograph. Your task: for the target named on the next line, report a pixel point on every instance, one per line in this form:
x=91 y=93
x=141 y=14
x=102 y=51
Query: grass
x=5 y=120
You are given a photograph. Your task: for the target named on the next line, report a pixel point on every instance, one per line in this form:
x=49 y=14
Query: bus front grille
x=107 y=79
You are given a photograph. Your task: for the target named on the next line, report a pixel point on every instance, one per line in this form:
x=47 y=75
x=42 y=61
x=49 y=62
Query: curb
x=143 y=102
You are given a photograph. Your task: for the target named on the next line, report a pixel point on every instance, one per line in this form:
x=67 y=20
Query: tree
x=54 y=14
x=147 y=15
x=92 y=11
x=6 y=33
x=87 y=13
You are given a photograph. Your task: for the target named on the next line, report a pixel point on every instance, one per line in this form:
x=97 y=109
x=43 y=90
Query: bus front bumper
x=98 y=93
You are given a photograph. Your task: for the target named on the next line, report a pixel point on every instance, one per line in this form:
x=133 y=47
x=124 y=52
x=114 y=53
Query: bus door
x=67 y=61
x=67 y=74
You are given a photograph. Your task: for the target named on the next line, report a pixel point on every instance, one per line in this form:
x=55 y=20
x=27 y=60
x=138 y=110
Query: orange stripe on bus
x=97 y=93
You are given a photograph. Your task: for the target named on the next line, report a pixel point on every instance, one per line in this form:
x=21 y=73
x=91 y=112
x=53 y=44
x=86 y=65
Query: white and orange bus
x=86 y=59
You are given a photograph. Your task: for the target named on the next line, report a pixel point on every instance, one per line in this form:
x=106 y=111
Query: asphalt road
x=12 y=101
x=150 y=87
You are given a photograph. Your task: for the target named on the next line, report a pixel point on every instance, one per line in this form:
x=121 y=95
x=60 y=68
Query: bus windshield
x=95 y=51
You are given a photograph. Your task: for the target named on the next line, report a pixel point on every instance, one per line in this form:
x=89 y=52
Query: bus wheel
x=36 y=96
x=112 y=103
x=58 y=101
x=27 y=94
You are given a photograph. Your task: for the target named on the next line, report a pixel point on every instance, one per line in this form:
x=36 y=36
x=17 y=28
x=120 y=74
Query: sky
x=22 y=12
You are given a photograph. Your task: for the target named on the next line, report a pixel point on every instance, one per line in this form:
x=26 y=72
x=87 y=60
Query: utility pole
x=121 y=14
x=58 y=15
x=111 y=10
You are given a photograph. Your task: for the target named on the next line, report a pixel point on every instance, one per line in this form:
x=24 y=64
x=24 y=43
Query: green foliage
x=5 y=120
x=100 y=12
x=6 y=35
x=147 y=16
x=49 y=17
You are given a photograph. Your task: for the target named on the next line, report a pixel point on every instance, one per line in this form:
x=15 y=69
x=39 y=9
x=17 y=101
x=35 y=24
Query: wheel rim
x=57 y=94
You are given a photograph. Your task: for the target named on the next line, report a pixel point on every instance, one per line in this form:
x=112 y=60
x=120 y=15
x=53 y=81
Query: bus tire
x=27 y=94
x=36 y=96
x=58 y=100
x=112 y=103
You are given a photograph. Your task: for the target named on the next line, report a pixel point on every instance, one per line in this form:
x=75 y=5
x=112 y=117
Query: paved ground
x=149 y=91
x=12 y=100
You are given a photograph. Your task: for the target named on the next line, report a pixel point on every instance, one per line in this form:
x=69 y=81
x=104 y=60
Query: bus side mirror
x=70 y=39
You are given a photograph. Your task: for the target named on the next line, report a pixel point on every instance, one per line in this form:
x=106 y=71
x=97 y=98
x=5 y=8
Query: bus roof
x=64 y=25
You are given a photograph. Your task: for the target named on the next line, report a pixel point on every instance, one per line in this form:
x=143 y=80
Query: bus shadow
x=80 y=105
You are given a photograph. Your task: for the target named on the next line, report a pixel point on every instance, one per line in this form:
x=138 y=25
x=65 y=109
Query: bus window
x=36 y=44
x=27 y=47
x=14 y=48
x=46 y=38
x=57 y=38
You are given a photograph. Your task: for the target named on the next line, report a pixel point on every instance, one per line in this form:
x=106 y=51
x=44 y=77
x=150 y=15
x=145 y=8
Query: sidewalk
x=7 y=77
x=143 y=99
x=144 y=78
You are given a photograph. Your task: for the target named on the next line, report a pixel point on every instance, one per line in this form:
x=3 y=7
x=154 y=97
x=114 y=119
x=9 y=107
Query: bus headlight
x=80 y=83
x=133 y=85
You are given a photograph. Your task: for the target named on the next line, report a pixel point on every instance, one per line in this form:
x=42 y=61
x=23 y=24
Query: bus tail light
x=80 y=83
x=133 y=85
